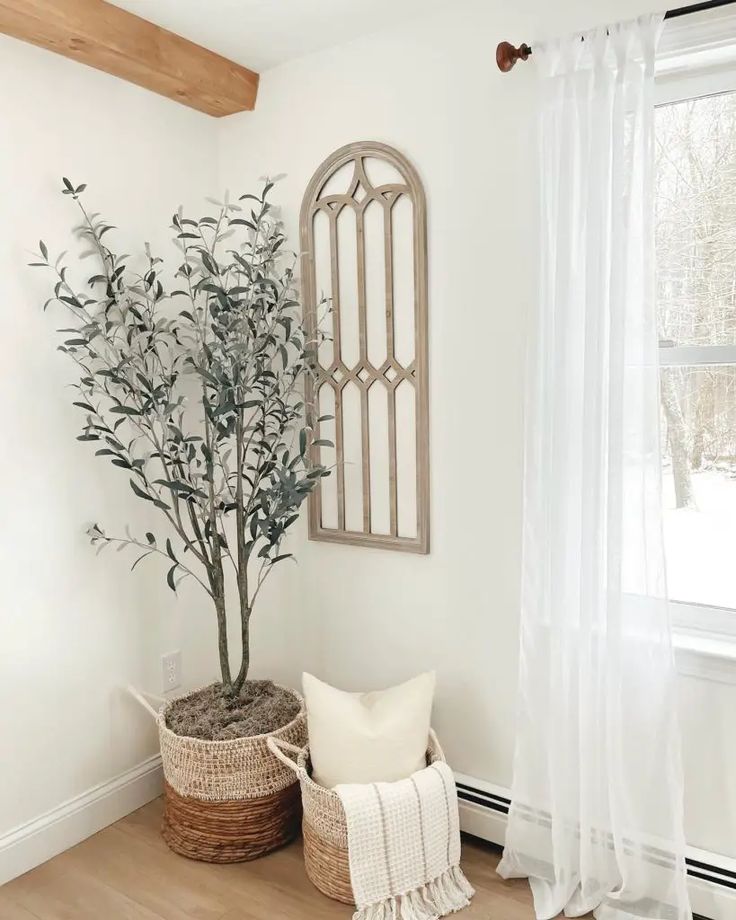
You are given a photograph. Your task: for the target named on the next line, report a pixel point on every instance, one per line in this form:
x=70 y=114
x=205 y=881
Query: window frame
x=696 y=58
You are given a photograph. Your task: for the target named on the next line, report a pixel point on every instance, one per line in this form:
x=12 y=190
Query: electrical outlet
x=171 y=671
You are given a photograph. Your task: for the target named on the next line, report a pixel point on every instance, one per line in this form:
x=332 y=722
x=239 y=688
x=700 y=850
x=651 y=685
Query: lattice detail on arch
x=363 y=239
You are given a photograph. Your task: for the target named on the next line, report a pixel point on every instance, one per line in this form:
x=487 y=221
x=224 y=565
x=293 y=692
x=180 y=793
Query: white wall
x=431 y=89
x=75 y=629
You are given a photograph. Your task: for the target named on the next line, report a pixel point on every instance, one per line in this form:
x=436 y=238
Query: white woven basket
x=237 y=768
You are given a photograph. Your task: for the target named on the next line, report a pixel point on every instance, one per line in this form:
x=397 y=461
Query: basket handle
x=277 y=747
x=144 y=702
x=436 y=744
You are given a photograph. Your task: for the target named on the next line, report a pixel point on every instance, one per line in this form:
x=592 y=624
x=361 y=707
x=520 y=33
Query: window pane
x=699 y=477
x=696 y=221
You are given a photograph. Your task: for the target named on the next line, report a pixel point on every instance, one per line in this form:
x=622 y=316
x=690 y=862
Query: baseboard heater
x=500 y=804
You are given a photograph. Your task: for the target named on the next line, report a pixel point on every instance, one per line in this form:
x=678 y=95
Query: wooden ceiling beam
x=115 y=41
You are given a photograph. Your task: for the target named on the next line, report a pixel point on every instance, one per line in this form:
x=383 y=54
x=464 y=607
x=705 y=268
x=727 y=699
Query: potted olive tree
x=195 y=393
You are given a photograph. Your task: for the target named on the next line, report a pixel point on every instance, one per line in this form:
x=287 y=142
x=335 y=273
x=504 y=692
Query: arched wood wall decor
x=363 y=233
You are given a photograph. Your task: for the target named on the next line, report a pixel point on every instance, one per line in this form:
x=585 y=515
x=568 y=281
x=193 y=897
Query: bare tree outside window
x=696 y=289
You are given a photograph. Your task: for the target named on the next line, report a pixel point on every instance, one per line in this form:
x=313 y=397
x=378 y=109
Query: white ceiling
x=263 y=33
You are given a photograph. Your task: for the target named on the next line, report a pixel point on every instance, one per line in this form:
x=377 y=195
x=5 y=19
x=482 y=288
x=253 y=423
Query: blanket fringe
x=444 y=895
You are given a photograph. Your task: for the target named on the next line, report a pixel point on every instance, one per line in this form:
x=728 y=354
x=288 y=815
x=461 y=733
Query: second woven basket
x=324 y=826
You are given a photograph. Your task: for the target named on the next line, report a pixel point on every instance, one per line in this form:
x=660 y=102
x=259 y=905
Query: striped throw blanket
x=404 y=847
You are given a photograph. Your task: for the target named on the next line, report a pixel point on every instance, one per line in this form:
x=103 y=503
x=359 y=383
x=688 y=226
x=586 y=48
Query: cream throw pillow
x=367 y=737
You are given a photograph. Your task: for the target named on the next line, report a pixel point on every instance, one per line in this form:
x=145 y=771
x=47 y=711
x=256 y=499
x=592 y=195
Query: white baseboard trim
x=33 y=843
x=711 y=897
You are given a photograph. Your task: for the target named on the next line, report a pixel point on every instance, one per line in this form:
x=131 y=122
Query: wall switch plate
x=171 y=671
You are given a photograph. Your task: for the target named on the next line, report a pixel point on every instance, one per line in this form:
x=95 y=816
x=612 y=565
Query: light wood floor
x=126 y=872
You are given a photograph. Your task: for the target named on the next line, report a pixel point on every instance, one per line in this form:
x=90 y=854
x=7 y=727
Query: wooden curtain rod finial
x=507 y=55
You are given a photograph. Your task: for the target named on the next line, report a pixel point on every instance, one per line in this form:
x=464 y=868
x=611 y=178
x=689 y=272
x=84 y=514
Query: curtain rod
x=507 y=55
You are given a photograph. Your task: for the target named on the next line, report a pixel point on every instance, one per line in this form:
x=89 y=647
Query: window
x=696 y=294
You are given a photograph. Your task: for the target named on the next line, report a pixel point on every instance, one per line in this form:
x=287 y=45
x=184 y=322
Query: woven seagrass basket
x=324 y=827
x=228 y=801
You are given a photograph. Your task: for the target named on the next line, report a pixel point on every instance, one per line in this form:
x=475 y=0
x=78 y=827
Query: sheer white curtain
x=596 y=820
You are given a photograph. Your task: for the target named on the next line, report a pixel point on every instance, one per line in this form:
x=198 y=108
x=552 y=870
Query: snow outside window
x=696 y=290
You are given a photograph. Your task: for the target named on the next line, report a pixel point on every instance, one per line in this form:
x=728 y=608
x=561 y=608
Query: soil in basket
x=213 y=715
